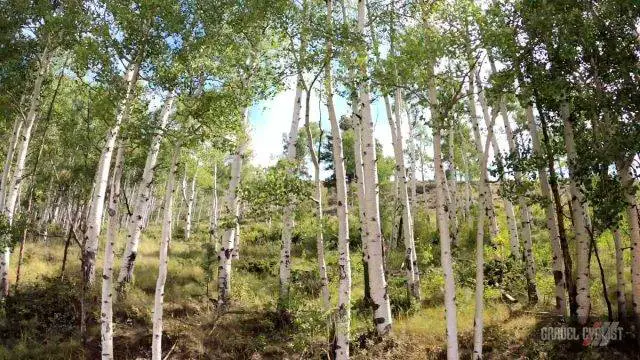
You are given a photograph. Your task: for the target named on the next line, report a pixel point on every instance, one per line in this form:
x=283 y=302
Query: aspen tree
x=156 y=342
x=106 y=303
x=141 y=202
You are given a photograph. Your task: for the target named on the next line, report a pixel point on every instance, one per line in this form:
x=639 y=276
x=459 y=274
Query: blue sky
x=270 y=119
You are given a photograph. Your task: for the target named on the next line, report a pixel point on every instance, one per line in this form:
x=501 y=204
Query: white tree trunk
x=11 y=200
x=360 y=191
x=106 y=305
x=378 y=283
x=141 y=202
x=94 y=218
x=620 y=281
x=452 y=189
x=488 y=198
x=190 y=203
x=583 y=297
x=412 y=159
x=482 y=215
x=232 y=208
x=411 y=260
x=8 y=161
x=156 y=342
x=443 y=229
x=552 y=225
x=288 y=221
x=624 y=171
x=322 y=267
x=343 y=316
x=213 y=225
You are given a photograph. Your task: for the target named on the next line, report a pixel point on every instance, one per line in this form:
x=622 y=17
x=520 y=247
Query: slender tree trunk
x=8 y=161
x=488 y=198
x=190 y=200
x=443 y=229
x=141 y=204
x=156 y=344
x=554 y=234
x=288 y=215
x=378 y=283
x=322 y=267
x=359 y=182
x=411 y=260
x=11 y=200
x=412 y=151
x=213 y=224
x=620 y=281
x=525 y=211
x=479 y=300
x=106 y=305
x=624 y=171
x=340 y=348
x=228 y=240
x=94 y=218
x=583 y=297
x=557 y=200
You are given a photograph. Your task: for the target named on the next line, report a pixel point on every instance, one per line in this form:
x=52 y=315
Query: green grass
x=253 y=326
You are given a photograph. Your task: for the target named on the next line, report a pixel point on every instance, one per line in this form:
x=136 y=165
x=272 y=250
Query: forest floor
x=41 y=318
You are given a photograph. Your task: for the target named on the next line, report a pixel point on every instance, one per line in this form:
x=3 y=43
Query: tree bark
x=11 y=200
x=190 y=200
x=557 y=200
x=554 y=234
x=411 y=260
x=213 y=224
x=378 y=283
x=624 y=171
x=322 y=267
x=106 y=305
x=141 y=204
x=8 y=161
x=340 y=347
x=156 y=344
x=583 y=297
x=482 y=215
x=94 y=218
x=620 y=281
x=288 y=221
x=443 y=229
x=228 y=241
x=488 y=198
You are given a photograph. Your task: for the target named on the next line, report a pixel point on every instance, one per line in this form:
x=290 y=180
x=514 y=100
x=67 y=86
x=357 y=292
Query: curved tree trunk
x=473 y=114
x=106 y=305
x=94 y=218
x=156 y=342
x=552 y=226
x=8 y=161
x=11 y=200
x=141 y=204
